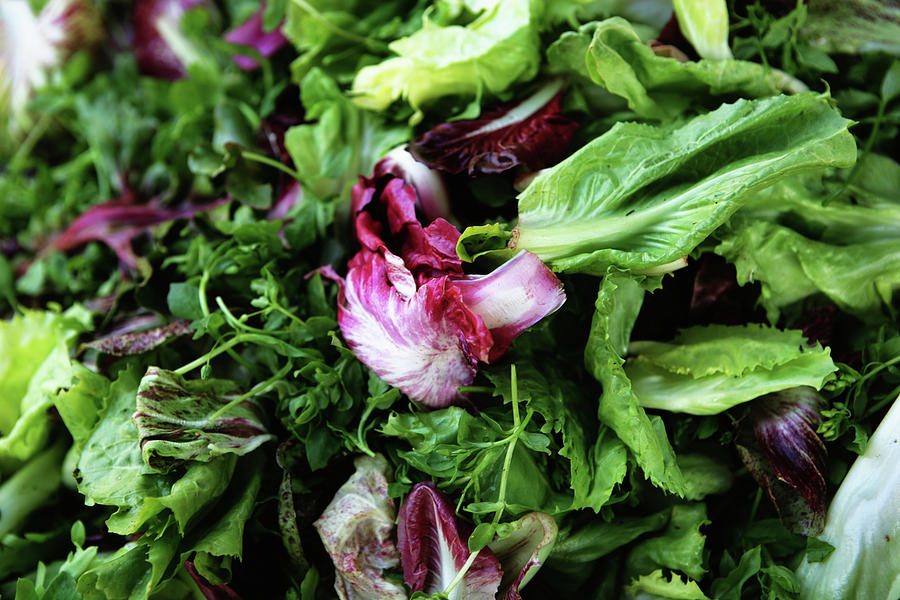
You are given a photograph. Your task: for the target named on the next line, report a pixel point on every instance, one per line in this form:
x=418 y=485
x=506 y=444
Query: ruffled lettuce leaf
x=495 y=50
x=859 y=277
x=710 y=369
x=657 y=586
x=340 y=141
x=179 y=420
x=680 y=547
x=618 y=303
x=658 y=87
x=641 y=197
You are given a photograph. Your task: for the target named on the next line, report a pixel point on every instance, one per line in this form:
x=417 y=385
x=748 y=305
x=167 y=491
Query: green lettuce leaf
x=658 y=87
x=707 y=370
x=111 y=471
x=342 y=143
x=642 y=197
x=679 y=548
x=497 y=49
x=34 y=365
x=860 y=277
x=179 y=420
x=656 y=586
x=832 y=208
x=853 y=26
x=618 y=302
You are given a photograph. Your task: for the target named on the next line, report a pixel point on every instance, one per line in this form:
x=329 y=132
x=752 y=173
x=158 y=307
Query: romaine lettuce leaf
x=642 y=197
x=860 y=278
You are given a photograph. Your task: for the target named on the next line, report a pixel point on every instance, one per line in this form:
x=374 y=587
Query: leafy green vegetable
x=708 y=370
x=641 y=197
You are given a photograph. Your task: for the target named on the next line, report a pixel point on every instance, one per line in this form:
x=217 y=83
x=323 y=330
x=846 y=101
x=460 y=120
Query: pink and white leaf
x=433 y=548
x=522 y=552
x=357 y=531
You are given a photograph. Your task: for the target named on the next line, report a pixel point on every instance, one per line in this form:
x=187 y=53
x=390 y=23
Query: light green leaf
x=616 y=308
x=716 y=367
x=860 y=277
x=642 y=197
x=705 y=25
x=655 y=586
x=679 y=547
x=500 y=47
x=658 y=87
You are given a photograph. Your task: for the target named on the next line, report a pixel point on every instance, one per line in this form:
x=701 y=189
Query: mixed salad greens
x=440 y=298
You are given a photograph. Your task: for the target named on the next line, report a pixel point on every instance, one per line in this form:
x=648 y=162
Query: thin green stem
x=210 y=355
x=265 y=160
x=461 y=573
x=510 y=450
x=475 y=389
x=34 y=135
x=254 y=391
x=204 y=304
x=239 y=324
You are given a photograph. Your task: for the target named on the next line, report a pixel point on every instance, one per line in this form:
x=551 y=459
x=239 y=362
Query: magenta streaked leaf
x=780 y=447
x=179 y=420
x=357 y=531
x=118 y=221
x=251 y=33
x=159 y=46
x=429 y=185
x=433 y=549
x=532 y=133
x=426 y=345
x=512 y=298
x=408 y=311
x=125 y=344
x=522 y=552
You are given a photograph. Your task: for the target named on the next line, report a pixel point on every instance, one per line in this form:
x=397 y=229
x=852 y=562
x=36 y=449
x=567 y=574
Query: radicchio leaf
x=532 y=132
x=426 y=344
x=431 y=192
x=159 y=46
x=780 y=447
x=410 y=314
x=117 y=222
x=251 y=33
x=356 y=529
x=179 y=420
x=512 y=298
x=523 y=551
x=126 y=344
x=31 y=45
x=433 y=549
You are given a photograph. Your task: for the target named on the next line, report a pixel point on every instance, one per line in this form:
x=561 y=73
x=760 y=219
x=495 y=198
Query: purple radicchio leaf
x=159 y=46
x=409 y=312
x=251 y=33
x=431 y=192
x=425 y=344
x=433 y=549
x=179 y=420
x=357 y=530
x=512 y=298
x=117 y=222
x=126 y=344
x=779 y=445
x=532 y=133
x=209 y=590
x=522 y=551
